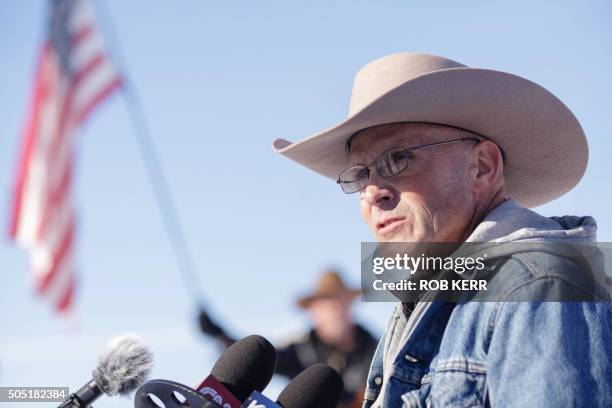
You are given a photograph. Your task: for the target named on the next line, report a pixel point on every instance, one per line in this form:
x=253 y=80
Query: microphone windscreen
x=123 y=366
x=246 y=366
x=318 y=386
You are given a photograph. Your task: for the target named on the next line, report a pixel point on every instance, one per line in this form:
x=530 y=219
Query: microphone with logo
x=123 y=366
x=246 y=366
x=318 y=386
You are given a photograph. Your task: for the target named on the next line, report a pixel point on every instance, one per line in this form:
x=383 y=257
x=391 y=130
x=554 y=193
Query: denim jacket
x=507 y=353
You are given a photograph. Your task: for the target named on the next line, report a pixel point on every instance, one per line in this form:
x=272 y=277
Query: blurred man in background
x=335 y=339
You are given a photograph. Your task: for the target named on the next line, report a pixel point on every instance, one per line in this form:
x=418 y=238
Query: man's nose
x=378 y=195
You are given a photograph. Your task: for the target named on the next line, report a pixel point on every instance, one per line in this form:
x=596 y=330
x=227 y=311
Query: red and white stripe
x=43 y=217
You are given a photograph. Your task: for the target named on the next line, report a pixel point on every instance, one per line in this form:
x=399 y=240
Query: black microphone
x=123 y=366
x=246 y=366
x=318 y=386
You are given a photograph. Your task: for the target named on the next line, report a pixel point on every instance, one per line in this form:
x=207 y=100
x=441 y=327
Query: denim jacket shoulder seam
x=495 y=315
x=525 y=262
x=529 y=267
x=532 y=268
x=562 y=280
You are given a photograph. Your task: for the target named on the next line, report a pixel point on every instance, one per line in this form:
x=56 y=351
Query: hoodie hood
x=510 y=229
x=509 y=222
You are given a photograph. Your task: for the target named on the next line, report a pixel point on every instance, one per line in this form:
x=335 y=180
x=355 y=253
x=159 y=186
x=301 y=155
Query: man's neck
x=482 y=210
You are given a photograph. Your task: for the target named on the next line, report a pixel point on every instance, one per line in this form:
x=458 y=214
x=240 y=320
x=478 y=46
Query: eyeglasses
x=388 y=164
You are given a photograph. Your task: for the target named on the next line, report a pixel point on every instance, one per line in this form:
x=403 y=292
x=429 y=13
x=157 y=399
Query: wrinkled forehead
x=367 y=144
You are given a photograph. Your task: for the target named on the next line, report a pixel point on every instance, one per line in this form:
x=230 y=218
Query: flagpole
x=161 y=188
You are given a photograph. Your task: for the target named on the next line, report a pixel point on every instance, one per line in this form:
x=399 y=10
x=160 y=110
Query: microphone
x=246 y=366
x=123 y=366
x=318 y=386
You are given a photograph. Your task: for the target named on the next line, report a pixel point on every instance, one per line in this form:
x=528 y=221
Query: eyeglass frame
x=425 y=146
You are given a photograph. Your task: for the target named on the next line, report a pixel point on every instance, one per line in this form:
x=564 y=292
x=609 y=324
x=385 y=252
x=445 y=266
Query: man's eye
x=362 y=174
x=393 y=163
x=400 y=156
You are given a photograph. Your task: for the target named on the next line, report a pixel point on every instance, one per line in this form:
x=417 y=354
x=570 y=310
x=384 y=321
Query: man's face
x=331 y=316
x=431 y=200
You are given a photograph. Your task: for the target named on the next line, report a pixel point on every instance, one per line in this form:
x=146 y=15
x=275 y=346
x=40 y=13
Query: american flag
x=74 y=74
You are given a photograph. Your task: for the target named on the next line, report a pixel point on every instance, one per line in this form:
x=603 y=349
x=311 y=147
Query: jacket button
x=378 y=380
x=411 y=358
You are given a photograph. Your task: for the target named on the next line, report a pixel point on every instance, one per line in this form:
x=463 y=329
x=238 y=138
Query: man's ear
x=489 y=166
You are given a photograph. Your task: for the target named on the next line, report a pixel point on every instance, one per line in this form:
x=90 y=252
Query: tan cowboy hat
x=545 y=148
x=330 y=284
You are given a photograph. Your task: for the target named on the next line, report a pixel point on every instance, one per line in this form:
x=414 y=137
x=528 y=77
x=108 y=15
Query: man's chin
x=400 y=238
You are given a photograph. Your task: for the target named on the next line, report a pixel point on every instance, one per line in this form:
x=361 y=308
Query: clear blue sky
x=219 y=82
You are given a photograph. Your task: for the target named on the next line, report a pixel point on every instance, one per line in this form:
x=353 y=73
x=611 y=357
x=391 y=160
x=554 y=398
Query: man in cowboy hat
x=335 y=339
x=440 y=152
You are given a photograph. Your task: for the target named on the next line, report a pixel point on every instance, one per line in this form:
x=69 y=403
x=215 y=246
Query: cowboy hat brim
x=545 y=148
x=305 y=301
